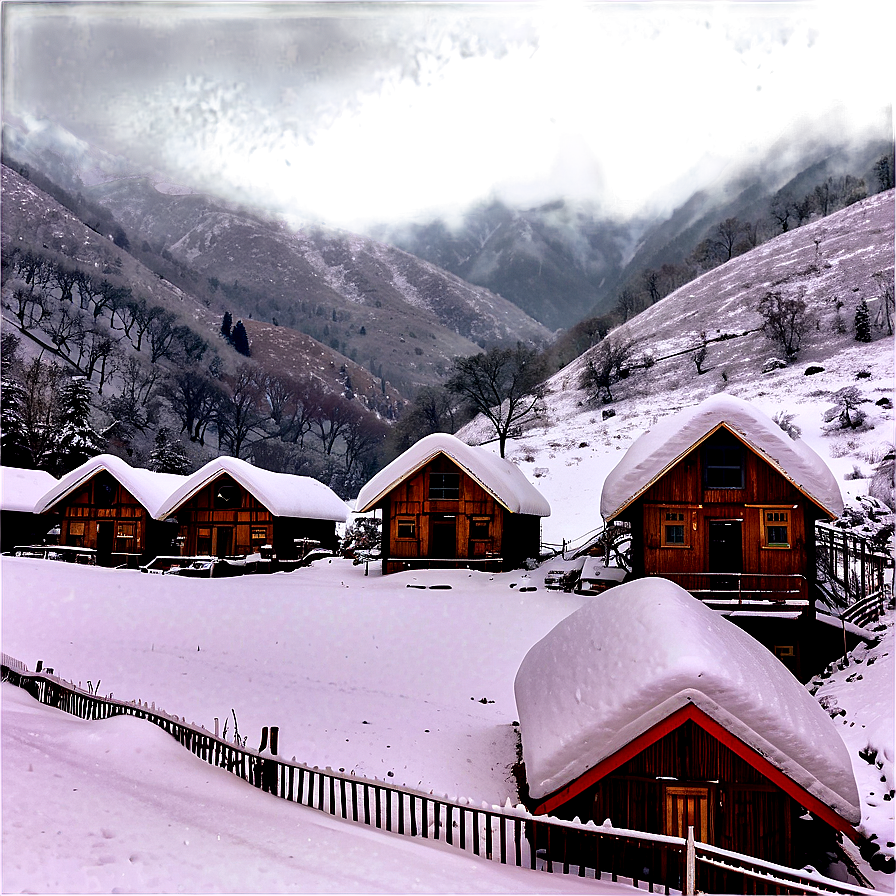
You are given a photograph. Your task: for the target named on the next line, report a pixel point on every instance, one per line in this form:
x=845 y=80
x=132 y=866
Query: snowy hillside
x=570 y=450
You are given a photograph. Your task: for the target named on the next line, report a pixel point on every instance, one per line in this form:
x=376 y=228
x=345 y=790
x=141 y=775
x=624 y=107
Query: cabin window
x=258 y=535
x=227 y=494
x=444 y=486
x=723 y=466
x=407 y=527
x=76 y=534
x=784 y=652
x=675 y=529
x=480 y=528
x=776 y=529
x=125 y=538
x=204 y=541
x=104 y=491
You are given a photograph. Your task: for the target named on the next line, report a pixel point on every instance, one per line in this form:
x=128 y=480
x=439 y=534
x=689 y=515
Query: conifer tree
x=77 y=440
x=168 y=455
x=240 y=339
x=863 y=323
x=226 y=325
x=13 y=443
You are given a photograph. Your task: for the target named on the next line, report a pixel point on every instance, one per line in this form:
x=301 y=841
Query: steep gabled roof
x=150 y=489
x=282 y=493
x=499 y=477
x=623 y=663
x=21 y=489
x=656 y=451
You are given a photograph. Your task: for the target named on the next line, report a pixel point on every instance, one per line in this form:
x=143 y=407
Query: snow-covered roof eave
x=761 y=437
x=516 y=497
x=329 y=506
x=147 y=487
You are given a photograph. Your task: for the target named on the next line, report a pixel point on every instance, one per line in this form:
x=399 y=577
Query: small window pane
x=444 y=486
x=724 y=466
x=777 y=535
x=479 y=528
x=674 y=534
x=407 y=528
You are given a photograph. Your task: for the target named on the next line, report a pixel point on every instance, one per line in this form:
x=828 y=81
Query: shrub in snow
x=785 y=422
x=773 y=364
x=813 y=369
x=845 y=412
x=362 y=535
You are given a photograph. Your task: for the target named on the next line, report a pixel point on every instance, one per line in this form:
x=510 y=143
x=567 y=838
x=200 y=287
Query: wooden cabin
x=110 y=507
x=20 y=490
x=720 y=500
x=231 y=508
x=690 y=723
x=445 y=503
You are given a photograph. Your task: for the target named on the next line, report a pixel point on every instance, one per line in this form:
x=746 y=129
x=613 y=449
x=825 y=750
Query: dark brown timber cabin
x=231 y=508
x=695 y=724
x=445 y=503
x=720 y=500
x=110 y=507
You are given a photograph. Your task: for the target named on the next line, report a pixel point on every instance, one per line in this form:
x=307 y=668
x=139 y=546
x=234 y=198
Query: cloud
x=354 y=115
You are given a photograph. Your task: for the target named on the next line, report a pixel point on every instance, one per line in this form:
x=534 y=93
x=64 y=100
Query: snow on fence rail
x=509 y=835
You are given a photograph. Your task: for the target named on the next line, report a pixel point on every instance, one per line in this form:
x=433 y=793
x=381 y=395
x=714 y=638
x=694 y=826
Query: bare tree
x=505 y=385
x=605 y=366
x=627 y=304
x=884 y=316
x=785 y=321
x=239 y=413
x=193 y=397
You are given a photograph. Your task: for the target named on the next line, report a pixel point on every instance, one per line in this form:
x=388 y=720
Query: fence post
x=690 y=865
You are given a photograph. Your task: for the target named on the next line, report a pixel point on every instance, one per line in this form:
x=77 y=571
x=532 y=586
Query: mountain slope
x=569 y=451
x=349 y=292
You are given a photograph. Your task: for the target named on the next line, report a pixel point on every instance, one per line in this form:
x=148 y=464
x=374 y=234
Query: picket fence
x=501 y=834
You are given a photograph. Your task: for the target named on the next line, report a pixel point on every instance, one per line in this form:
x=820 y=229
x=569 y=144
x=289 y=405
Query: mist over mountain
x=564 y=261
x=397 y=315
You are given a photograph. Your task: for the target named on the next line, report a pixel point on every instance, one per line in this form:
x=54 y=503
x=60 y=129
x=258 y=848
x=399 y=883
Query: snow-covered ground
x=409 y=684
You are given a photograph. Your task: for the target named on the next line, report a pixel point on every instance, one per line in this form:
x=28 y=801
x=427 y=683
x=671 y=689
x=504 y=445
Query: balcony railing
x=738 y=593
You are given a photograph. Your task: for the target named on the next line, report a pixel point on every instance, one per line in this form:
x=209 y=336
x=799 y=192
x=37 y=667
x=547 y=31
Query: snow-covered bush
x=362 y=535
x=785 y=421
x=773 y=364
x=845 y=412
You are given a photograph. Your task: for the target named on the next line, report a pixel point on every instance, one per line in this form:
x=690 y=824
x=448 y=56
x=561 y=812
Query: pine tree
x=240 y=339
x=226 y=325
x=13 y=442
x=77 y=440
x=168 y=456
x=863 y=323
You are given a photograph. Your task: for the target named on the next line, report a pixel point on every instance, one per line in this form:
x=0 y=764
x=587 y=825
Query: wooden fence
x=509 y=835
x=852 y=566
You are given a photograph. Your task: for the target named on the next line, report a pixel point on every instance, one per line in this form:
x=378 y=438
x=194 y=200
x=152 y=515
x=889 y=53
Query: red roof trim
x=713 y=728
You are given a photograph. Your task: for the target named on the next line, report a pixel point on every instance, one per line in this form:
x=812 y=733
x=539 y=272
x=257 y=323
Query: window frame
x=406 y=520
x=437 y=493
x=126 y=541
x=672 y=518
x=786 y=524
x=708 y=451
x=481 y=519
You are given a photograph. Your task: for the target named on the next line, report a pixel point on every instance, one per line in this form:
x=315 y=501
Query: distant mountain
x=552 y=261
x=747 y=196
x=563 y=262
x=400 y=317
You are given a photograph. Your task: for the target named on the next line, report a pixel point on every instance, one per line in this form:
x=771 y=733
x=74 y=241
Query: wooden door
x=726 y=555
x=223 y=541
x=443 y=537
x=685 y=807
x=104 y=535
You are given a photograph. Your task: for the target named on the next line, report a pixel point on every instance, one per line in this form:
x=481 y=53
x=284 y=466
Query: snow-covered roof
x=20 y=489
x=149 y=488
x=624 y=662
x=659 y=449
x=502 y=479
x=282 y=493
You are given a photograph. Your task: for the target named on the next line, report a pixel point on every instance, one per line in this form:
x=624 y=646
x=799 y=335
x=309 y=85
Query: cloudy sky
x=354 y=113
